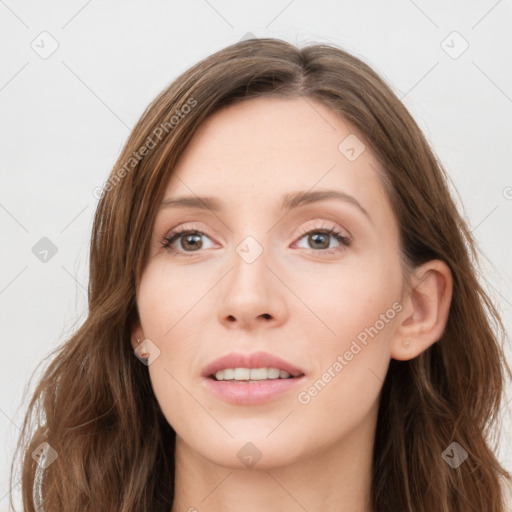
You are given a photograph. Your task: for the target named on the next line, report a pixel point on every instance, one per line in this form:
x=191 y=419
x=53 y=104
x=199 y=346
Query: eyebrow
x=289 y=202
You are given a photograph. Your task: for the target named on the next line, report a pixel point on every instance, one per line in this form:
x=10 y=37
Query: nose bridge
x=250 y=260
x=251 y=290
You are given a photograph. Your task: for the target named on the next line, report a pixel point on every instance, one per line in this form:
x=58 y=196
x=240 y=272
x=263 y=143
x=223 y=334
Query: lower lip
x=255 y=392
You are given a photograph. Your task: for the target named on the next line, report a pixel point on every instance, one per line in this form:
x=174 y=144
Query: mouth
x=251 y=378
x=242 y=391
x=239 y=366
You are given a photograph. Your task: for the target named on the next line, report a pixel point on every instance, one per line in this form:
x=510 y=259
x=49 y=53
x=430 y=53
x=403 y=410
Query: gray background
x=65 y=117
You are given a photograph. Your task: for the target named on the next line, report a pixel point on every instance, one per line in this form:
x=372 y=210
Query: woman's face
x=258 y=274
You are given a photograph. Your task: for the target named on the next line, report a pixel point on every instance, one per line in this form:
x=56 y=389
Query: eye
x=190 y=239
x=319 y=239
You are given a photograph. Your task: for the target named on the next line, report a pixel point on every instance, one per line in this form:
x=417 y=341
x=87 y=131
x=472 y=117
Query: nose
x=252 y=295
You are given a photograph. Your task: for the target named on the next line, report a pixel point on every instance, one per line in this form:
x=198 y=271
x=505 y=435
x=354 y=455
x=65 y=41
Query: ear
x=425 y=310
x=136 y=334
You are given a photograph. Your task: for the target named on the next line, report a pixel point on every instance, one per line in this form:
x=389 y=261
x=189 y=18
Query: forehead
x=257 y=151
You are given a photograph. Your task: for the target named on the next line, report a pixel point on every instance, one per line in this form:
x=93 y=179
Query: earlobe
x=425 y=313
x=137 y=335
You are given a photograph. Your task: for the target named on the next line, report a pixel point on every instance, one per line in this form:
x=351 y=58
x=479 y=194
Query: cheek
x=358 y=308
x=165 y=302
x=166 y=296
x=349 y=297
x=166 y=307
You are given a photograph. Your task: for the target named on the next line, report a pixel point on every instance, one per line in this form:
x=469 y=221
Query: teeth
x=273 y=373
x=242 y=374
x=251 y=374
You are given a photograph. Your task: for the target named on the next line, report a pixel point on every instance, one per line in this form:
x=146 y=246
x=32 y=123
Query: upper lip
x=250 y=360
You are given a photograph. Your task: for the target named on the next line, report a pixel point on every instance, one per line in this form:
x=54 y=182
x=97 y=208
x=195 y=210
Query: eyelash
x=175 y=234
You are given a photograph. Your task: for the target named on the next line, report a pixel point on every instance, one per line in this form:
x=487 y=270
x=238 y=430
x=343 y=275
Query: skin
x=294 y=301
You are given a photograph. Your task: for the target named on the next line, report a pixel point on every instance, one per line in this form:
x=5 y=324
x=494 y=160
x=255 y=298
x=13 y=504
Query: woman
x=284 y=312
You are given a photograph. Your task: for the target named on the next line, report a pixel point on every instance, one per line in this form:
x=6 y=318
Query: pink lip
x=246 y=393
x=252 y=360
x=243 y=392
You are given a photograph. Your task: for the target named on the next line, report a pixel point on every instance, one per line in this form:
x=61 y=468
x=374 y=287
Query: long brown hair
x=94 y=404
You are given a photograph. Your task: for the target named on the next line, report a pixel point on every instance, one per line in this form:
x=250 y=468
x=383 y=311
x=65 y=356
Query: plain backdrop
x=76 y=75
